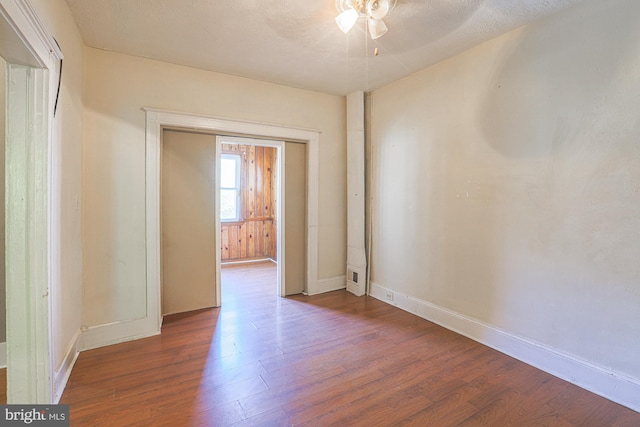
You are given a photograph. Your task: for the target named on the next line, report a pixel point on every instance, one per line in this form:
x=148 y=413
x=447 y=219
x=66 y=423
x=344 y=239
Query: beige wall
x=66 y=179
x=507 y=184
x=116 y=88
x=188 y=221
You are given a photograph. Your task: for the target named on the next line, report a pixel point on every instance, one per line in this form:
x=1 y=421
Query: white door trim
x=32 y=55
x=280 y=214
x=157 y=119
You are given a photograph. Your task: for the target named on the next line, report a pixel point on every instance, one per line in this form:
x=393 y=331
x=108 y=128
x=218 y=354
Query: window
x=230 y=187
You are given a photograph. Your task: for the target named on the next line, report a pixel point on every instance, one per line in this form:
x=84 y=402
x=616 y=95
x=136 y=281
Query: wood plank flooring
x=3 y=386
x=331 y=359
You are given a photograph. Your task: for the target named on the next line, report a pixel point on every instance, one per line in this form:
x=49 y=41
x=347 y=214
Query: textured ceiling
x=296 y=42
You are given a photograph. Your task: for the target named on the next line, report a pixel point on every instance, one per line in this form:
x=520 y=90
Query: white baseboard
x=115 y=333
x=248 y=261
x=62 y=373
x=3 y=355
x=357 y=277
x=327 y=285
x=355 y=288
x=606 y=383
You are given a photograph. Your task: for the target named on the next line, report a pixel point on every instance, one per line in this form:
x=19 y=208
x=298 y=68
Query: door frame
x=280 y=214
x=32 y=57
x=156 y=120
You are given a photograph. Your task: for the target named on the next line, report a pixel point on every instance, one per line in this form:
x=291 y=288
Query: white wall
x=66 y=263
x=116 y=88
x=506 y=184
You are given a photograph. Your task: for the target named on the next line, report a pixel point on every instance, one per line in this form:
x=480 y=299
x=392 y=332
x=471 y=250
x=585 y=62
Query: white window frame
x=237 y=188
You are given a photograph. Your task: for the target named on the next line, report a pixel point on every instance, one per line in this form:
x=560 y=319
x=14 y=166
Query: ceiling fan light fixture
x=373 y=10
x=377 y=28
x=347 y=19
x=378 y=9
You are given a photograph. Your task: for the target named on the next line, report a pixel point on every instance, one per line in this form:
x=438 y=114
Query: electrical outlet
x=390 y=295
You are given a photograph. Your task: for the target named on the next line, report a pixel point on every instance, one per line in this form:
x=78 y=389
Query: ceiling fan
x=373 y=10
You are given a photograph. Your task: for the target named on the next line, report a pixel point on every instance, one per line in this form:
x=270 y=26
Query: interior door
x=295 y=177
x=188 y=221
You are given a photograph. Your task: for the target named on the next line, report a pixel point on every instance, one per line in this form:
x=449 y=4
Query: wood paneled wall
x=255 y=236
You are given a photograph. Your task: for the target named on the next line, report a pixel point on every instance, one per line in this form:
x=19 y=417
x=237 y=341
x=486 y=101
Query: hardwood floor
x=331 y=359
x=3 y=386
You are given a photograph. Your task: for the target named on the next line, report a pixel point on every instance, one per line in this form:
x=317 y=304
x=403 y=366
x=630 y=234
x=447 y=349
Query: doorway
x=32 y=69
x=156 y=121
x=292 y=213
x=258 y=189
x=250 y=191
x=200 y=173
